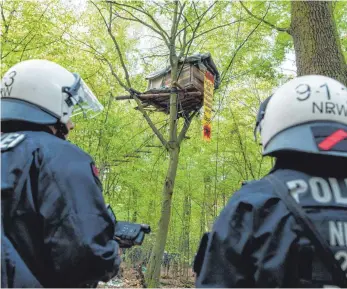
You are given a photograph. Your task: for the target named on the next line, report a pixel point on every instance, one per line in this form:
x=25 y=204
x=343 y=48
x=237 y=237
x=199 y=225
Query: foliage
x=131 y=161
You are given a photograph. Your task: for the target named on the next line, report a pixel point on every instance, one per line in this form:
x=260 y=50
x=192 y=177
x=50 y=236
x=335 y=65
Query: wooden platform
x=188 y=100
x=190 y=91
x=159 y=100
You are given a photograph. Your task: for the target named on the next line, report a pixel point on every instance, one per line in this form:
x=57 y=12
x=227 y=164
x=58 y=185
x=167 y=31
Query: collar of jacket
x=312 y=164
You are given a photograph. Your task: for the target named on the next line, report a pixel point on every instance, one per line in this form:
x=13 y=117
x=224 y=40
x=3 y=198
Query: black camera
x=128 y=234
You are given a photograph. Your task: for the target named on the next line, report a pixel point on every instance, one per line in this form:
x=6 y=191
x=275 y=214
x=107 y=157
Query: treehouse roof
x=202 y=61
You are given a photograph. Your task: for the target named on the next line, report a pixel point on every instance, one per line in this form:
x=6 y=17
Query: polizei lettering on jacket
x=322 y=190
x=325 y=191
x=338 y=237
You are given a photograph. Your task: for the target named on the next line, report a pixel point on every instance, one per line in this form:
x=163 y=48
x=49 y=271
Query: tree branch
x=162 y=5
x=39 y=46
x=4 y=20
x=26 y=36
x=136 y=19
x=150 y=123
x=189 y=43
x=174 y=76
x=101 y=57
x=196 y=12
x=140 y=106
x=240 y=46
x=159 y=29
x=185 y=27
x=127 y=88
x=185 y=127
x=174 y=25
x=25 y=49
x=155 y=22
x=211 y=18
x=155 y=37
x=184 y=44
x=114 y=40
x=155 y=56
x=217 y=27
x=6 y=23
x=264 y=21
x=198 y=17
x=243 y=149
x=25 y=46
x=99 y=10
x=118 y=50
x=180 y=14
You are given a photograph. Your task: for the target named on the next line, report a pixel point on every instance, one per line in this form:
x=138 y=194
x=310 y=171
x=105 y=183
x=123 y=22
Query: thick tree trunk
x=316 y=41
x=153 y=273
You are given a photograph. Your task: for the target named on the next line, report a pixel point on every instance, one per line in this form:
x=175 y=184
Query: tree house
x=191 y=79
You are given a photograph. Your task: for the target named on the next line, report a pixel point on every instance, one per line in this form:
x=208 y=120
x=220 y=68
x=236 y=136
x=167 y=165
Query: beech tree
x=315 y=37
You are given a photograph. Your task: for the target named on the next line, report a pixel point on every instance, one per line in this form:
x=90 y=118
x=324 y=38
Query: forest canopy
x=252 y=50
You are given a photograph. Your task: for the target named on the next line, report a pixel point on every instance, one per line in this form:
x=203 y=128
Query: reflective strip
x=10 y=140
x=332 y=140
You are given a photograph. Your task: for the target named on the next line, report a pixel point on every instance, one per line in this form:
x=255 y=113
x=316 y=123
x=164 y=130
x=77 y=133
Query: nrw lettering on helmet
x=286 y=119
x=328 y=107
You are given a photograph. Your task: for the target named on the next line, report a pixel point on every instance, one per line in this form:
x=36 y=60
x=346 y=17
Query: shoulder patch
x=10 y=140
x=95 y=173
x=95 y=170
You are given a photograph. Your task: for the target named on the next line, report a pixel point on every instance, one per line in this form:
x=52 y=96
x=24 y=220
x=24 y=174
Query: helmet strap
x=72 y=91
x=62 y=130
x=260 y=116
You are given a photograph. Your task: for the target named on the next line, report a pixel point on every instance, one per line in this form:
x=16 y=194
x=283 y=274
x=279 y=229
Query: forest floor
x=132 y=278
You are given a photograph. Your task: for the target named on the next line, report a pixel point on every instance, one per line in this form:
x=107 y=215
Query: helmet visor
x=84 y=100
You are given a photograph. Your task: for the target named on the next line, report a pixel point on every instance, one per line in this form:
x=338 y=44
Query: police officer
x=53 y=211
x=256 y=241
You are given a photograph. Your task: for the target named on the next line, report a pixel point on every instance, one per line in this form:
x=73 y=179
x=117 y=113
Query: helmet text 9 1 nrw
x=307 y=114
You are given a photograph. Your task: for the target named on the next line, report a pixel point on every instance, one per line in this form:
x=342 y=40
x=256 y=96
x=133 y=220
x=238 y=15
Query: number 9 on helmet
x=307 y=114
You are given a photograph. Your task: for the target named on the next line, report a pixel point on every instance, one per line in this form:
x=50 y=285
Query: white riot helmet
x=307 y=114
x=43 y=92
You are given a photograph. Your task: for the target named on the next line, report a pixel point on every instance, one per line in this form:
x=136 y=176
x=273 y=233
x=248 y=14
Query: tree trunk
x=153 y=273
x=203 y=212
x=185 y=257
x=316 y=41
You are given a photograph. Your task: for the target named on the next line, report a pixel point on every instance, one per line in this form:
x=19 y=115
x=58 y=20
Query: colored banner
x=208 y=99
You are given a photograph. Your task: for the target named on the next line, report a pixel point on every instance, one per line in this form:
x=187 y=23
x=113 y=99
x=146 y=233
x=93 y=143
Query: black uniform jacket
x=54 y=213
x=256 y=242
